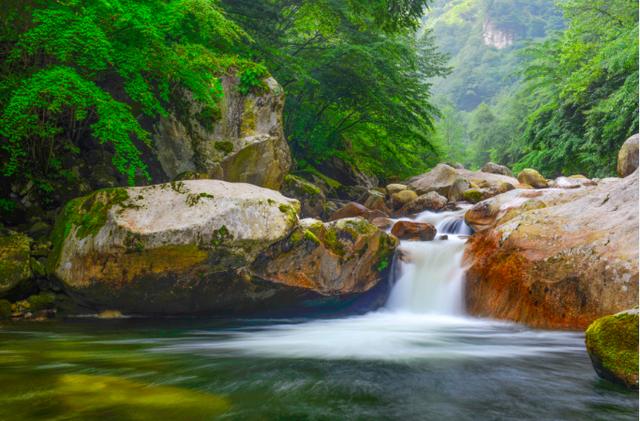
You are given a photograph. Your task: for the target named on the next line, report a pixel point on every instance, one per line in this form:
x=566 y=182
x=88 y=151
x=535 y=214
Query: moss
x=178 y=186
x=224 y=146
x=472 y=195
x=41 y=301
x=5 y=309
x=248 y=125
x=219 y=236
x=332 y=242
x=194 y=199
x=613 y=341
x=15 y=259
x=301 y=186
x=290 y=211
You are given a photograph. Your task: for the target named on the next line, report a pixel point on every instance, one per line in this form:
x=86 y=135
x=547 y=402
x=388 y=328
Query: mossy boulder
x=312 y=199
x=336 y=258
x=612 y=343
x=15 y=260
x=169 y=248
x=401 y=198
x=628 y=156
x=472 y=195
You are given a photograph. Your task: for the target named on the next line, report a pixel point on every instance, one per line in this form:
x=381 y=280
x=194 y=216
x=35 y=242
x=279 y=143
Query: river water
x=419 y=357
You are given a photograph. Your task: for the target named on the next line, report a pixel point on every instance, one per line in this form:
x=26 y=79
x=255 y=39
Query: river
x=419 y=357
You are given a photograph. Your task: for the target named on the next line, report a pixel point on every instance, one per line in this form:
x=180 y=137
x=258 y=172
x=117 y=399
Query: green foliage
x=84 y=69
x=355 y=76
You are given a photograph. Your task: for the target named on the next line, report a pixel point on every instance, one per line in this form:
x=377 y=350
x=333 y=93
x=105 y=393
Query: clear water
x=418 y=358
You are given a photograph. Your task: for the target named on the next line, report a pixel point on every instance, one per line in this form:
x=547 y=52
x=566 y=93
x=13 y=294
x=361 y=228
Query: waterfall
x=430 y=277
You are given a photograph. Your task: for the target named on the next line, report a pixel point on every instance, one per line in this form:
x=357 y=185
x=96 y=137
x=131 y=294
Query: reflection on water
x=379 y=366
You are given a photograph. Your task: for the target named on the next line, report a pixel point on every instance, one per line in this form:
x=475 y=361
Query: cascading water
x=431 y=277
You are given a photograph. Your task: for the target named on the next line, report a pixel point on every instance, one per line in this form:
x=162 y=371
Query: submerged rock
x=628 y=156
x=612 y=343
x=208 y=246
x=409 y=230
x=560 y=259
x=244 y=143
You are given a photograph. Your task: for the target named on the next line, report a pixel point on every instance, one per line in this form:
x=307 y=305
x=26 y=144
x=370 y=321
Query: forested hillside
x=531 y=94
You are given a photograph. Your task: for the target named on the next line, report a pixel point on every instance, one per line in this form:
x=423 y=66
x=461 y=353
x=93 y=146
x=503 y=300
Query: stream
x=419 y=357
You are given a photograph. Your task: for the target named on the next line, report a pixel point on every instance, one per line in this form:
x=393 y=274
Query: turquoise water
x=379 y=366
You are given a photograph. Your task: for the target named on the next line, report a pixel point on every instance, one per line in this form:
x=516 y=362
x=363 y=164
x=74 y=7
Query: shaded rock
x=532 y=178
x=347 y=174
x=244 y=143
x=334 y=258
x=170 y=248
x=612 y=344
x=559 y=263
x=429 y=201
x=376 y=201
x=401 y=198
x=409 y=230
x=395 y=188
x=15 y=260
x=493 y=168
x=353 y=209
x=311 y=198
x=628 y=156
x=452 y=183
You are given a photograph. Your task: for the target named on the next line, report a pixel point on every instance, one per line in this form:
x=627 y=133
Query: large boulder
x=493 y=168
x=244 y=143
x=628 y=156
x=334 y=258
x=612 y=344
x=559 y=263
x=194 y=247
x=453 y=182
x=533 y=178
x=15 y=258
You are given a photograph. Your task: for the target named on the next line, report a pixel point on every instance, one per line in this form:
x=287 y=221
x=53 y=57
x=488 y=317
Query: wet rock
x=557 y=260
x=353 y=209
x=532 y=178
x=612 y=344
x=382 y=222
x=628 y=156
x=473 y=195
x=429 y=201
x=493 y=168
x=409 y=230
x=572 y=182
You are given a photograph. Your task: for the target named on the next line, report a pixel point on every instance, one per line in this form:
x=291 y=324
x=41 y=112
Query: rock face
x=532 y=178
x=628 y=156
x=493 y=168
x=245 y=144
x=559 y=262
x=612 y=343
x=409 y=230
x=190 y=247
x=453 y=182
x=15 y=257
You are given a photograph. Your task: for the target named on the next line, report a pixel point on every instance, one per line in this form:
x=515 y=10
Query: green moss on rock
x=612 y=343
x=301 y=186
x=15 y=260
x=472 y=195
x=5 y=310
x=224 y=146
x=42 y=301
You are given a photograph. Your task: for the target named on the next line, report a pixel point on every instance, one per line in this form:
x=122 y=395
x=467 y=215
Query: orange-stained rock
x=409 y=230
x=556 y=264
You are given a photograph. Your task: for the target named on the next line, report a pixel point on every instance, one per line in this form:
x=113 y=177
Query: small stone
x=409 y=230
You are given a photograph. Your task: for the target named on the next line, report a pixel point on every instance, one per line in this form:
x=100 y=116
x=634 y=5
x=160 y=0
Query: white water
x=424 y=318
